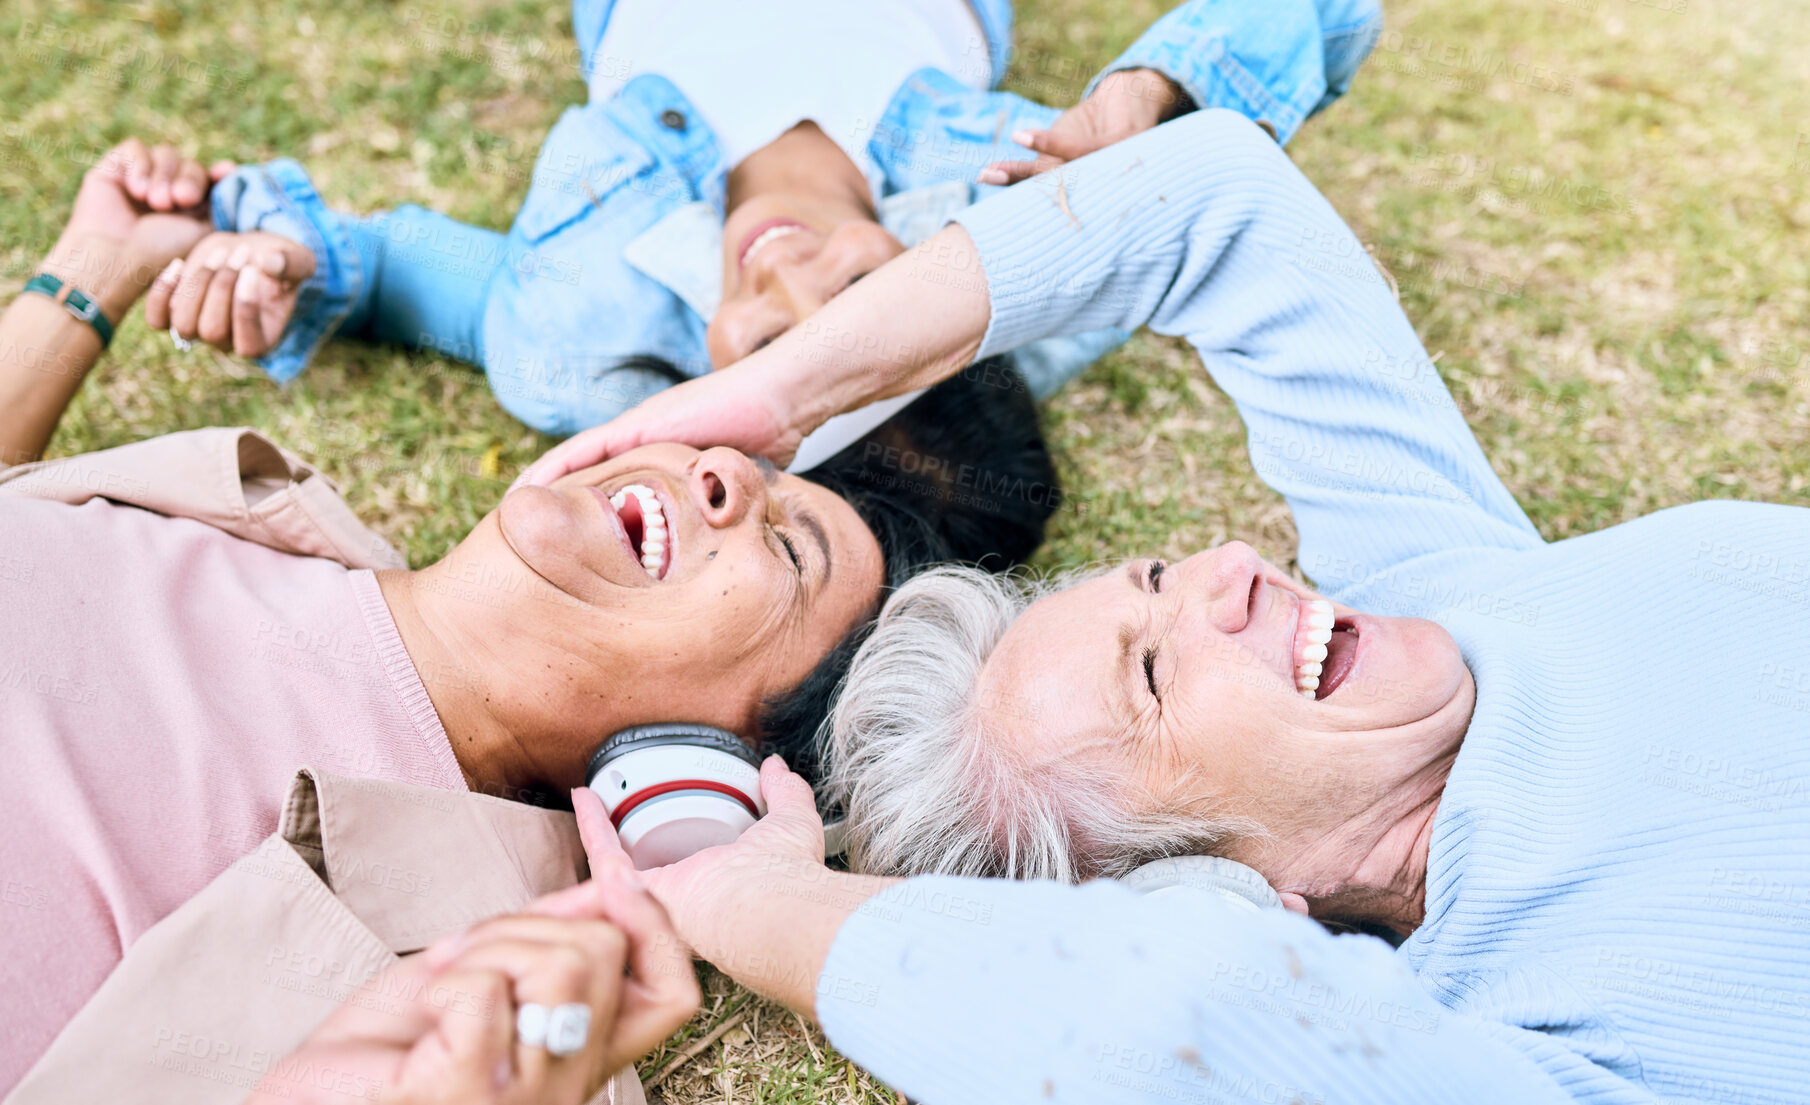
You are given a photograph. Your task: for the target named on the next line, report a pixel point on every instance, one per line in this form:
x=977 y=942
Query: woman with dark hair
x=737 y=165
x=186 y=622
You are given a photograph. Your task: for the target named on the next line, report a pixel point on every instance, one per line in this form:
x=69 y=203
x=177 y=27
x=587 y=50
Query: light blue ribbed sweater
x=1618 y=888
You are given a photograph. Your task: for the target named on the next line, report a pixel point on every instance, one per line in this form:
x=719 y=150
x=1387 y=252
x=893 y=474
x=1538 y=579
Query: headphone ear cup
x=673 y=789
x=691 y=734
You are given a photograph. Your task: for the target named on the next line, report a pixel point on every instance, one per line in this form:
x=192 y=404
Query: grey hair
x=927 y=786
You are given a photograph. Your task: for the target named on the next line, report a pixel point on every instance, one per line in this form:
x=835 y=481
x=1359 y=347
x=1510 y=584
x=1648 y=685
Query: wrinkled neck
x=1370 y=869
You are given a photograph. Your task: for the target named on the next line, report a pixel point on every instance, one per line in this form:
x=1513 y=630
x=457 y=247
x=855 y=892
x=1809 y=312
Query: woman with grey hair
x=1566 y=779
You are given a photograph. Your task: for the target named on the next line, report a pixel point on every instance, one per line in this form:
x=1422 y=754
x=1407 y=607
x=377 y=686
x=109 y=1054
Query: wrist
x=104 y=268
x=1149 y=94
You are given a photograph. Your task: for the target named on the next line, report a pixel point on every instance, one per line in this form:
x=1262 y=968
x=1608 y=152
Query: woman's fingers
x=214 y=324
x=599 y=836
x=164 y=165
x=1053 y=147
x=471 y=1044
x=661 y=992
x=130 y=163
x=190 y=186
x=1011 y=172
x=197 y=276
x=250 y=289
x=157 y=299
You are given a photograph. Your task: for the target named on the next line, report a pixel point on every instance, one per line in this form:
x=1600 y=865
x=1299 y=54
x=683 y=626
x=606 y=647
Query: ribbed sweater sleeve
x=984 y=991
x=1203 y=228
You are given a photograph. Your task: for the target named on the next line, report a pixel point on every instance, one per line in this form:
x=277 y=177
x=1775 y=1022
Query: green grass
x=1596 y=210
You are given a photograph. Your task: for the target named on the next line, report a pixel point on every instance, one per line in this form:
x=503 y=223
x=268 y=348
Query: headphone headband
x=667 y=733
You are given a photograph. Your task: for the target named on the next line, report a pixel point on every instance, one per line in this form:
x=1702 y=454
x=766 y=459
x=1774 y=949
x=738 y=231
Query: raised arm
x=1203 y=228
x=137 y=209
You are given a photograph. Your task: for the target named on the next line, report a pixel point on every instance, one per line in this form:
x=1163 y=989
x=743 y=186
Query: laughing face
x=1225 y=674
x=781 y=263
x=714 y=580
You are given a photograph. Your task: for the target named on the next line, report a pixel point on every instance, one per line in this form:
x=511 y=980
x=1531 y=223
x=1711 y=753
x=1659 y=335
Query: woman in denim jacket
x=651 y=228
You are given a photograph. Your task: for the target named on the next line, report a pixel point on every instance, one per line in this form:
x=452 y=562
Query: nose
x=797 y=285
x=1228 y=576
x=726 y=485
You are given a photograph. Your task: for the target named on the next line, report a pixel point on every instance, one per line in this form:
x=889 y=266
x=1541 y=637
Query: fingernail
x=274 y=263
x=247 y=283
x=992 y=176
x=1023 y=138
x=172 y=272
x=214 y=257
x=240 y=254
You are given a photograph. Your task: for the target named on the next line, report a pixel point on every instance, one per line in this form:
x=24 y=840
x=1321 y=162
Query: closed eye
x=1150 y=673
x=791 y=551
x=1154 y=577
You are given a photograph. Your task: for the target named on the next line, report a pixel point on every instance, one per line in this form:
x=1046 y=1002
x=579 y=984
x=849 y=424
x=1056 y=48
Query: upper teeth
x=653 y=525
x=1319 y=631
x=771 y=234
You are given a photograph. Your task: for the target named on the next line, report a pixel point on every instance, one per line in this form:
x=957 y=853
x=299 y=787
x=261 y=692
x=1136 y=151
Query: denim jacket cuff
x=279 y=198
x=1208 y=71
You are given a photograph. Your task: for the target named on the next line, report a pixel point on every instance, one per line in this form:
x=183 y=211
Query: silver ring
x=182 y=344
x=562 y=1030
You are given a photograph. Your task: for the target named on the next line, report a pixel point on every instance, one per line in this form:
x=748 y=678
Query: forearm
x=1202 y=228
x=772 y=931
x=45 y=352
x=426 y=280
x=971 y=990
x=916 y=320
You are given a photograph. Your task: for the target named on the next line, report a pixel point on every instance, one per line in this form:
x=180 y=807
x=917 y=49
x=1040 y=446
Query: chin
x=1413 y=673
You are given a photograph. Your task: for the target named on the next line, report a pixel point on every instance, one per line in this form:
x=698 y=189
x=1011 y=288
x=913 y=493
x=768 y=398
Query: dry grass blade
x=699 y=1047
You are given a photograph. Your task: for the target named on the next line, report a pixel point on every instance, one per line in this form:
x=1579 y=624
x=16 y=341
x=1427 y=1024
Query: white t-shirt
x=756 y=69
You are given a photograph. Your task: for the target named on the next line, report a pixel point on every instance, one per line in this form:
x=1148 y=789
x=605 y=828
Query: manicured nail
x=247 y=283
x=274 y=263
x=1023 y=138
x=992 y=176
x=172 y=272
x=241 y=253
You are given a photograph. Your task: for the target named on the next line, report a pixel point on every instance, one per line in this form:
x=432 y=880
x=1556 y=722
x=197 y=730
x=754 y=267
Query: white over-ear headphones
x=676 y=788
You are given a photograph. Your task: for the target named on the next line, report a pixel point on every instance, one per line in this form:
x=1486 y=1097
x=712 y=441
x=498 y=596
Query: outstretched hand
x=1125 y=103
x=737 y=406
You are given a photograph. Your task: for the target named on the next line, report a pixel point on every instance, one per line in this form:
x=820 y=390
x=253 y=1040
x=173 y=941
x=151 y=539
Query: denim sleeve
x=985 y=991
x=1203 y=228
x=410 y=276
x=427 y=278
x=1277 y=62
x=279 y=198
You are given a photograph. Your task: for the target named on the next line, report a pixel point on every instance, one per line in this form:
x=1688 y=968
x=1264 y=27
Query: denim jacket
x=616 y=249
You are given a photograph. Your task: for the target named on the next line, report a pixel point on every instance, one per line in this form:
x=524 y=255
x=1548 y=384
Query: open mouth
x=1326 y=649
x=764 y=235
x=643 y=518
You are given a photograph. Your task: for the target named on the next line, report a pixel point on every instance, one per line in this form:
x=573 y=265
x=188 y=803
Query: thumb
x=287 y=261
x=789 y=797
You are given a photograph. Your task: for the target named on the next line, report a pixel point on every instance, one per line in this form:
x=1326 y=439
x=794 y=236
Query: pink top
x=160 y=684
